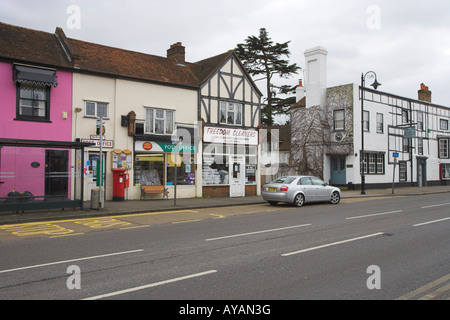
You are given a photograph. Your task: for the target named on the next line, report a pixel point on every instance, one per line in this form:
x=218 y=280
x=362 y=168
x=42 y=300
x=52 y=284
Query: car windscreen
x=284 y=180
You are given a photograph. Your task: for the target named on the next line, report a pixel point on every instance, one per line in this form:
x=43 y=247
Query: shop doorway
x=92 y=173
x=237 y=178
x=56 y=174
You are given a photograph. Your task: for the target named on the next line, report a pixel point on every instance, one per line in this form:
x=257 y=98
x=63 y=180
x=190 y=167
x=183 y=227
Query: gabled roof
x=56 y=50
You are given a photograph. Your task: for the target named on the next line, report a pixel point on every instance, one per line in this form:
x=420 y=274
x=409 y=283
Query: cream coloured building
x=146 y=101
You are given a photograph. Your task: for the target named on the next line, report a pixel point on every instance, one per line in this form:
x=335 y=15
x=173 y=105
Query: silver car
x=299 y=190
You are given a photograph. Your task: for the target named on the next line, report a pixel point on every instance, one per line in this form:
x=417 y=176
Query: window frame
x=375 y=163
x=237 y=112
x=445 y=126
x=19 y=116
x=164 y=118
x=336 y=121
x=95 y=115
x=380 y=130
x=366 y=122
x=443 y=153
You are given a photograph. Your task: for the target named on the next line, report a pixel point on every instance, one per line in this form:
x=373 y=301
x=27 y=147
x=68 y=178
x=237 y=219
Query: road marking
x=136 y=227
x=430 y=222
x=67 y=235
x=186 y=221
x=374 y=214
x=257 y=232
x=116 y=293
x=427 y=287
x=332 y=244
x=436 y=205
x=69 y=261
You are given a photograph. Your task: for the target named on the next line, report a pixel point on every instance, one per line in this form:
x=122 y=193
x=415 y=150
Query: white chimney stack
x=316 y=76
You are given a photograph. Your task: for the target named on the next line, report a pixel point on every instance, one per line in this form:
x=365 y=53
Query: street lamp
x=175 y=143
x=375 y=85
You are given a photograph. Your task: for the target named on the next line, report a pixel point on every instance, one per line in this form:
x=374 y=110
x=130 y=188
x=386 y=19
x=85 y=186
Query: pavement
x=112 y=208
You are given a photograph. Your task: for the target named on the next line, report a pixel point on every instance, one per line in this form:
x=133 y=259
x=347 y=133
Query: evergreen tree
x=266 y=61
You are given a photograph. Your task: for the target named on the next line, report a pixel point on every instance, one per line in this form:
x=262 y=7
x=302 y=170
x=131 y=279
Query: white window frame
x=380 y=123
x=95 y=115
x=443 y=124
x=366 y=121
x=168 y=126
x=339 y=124
x=443 y=148
x=225 y=107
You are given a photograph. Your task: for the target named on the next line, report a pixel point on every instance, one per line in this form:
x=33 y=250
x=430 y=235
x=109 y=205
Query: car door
x=308 y=189
x=322 y=191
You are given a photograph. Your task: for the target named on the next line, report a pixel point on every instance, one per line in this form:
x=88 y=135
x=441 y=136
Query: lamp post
x=362 y=156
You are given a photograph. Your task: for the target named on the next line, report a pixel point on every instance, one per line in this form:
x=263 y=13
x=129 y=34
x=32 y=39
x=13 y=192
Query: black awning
x=25 y=74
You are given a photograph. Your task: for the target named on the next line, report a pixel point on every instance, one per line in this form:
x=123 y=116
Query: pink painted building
x=38 y=160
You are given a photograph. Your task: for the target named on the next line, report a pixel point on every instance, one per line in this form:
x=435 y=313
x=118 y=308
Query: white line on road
x=436 y=205
x=69 y=261
x=429 y=222
x=257 y=232
x=332 y=244
x=116 y=293
x=374 y=214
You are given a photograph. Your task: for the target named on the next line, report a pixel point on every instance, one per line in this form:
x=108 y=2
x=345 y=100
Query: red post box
x=119 y=178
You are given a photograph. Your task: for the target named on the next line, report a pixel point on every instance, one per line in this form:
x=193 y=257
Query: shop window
x=33 y=102
x=149 y=169
x=185 y=170
x=215 y=170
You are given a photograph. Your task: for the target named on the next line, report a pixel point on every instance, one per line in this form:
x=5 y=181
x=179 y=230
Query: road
x=366 y=249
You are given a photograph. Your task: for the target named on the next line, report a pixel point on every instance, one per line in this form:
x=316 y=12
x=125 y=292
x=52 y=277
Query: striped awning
x=44 y=77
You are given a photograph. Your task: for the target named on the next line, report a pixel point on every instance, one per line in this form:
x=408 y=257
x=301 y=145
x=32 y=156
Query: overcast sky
x=405 y=42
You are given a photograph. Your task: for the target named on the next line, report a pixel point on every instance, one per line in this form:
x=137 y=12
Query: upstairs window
x=33 y=102
x=159 y=121
x=339 y=120
x=96 y=109
x=230 y=113
x=444 y=124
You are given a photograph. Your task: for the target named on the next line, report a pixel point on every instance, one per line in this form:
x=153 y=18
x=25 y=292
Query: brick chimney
x=424 y=93
x=178 y=53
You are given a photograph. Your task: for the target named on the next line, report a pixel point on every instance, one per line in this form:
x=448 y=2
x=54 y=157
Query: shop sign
x=106 y=143
x=164 y=147
x=230 y=136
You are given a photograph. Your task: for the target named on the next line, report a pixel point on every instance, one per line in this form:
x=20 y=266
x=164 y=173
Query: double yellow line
x=430 y=291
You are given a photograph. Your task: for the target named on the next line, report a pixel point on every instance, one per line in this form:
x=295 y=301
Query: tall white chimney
x=316 y=76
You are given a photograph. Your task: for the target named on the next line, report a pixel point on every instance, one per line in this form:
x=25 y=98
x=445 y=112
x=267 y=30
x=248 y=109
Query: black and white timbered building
x=229 y=109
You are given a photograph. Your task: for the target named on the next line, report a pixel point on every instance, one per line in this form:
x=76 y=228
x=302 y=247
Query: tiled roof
x=26 y=45
x=31 y=46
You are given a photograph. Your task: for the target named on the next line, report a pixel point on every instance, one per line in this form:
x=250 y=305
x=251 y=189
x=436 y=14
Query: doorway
x=338 y=170
x=237 y=178
x=93 y=166
x=422 y=172
x=57 y=174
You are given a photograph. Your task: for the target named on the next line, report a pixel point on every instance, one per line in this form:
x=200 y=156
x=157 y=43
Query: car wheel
x=335 y=198
x=273 y=203
x=299 y=200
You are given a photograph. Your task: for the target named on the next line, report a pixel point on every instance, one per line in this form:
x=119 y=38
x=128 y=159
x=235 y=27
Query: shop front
x=230 y=162
x=155 y=163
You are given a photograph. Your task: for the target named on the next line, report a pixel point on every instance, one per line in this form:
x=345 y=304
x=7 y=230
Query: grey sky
x=404 y=42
